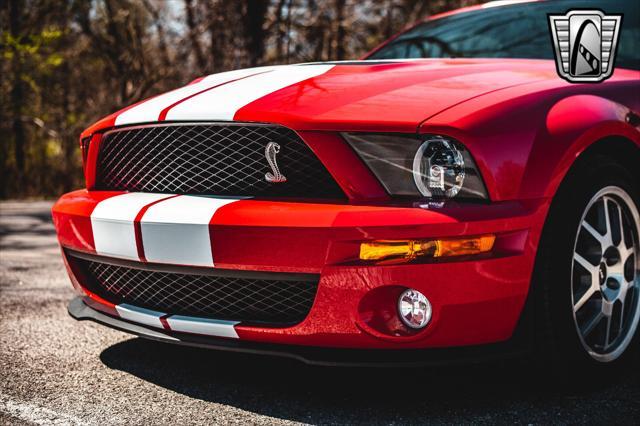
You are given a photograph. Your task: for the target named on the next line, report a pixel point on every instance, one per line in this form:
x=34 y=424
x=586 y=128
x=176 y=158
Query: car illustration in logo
x=585 y=44
x=446 y=197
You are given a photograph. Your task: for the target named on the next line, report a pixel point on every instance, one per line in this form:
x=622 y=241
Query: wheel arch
x=618 y=148
x=575 y=129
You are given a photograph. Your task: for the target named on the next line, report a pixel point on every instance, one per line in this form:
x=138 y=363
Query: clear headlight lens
x=431 y=166
x=438 y=168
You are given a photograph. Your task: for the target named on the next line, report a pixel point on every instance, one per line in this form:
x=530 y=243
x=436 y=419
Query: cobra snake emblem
x=270 y=152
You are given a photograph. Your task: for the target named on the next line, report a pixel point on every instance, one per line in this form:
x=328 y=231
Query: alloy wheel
x=605 y=274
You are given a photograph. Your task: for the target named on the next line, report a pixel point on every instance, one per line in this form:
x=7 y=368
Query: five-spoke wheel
x=605 y=279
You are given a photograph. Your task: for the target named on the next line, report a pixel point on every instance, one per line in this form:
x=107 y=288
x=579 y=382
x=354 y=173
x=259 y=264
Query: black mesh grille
x=213 y=159
x=277 y=302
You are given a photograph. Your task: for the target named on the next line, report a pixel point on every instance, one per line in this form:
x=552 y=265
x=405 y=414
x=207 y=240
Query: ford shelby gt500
x=449 y=196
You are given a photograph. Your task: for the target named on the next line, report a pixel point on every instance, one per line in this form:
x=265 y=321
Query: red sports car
x=449 y=197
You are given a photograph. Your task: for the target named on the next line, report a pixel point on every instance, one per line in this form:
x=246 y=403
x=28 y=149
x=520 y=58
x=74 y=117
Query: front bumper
x=476 y=301
x=310 y=354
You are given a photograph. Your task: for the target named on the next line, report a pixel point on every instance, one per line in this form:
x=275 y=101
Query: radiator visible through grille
x=211 y=159
x=282 y=301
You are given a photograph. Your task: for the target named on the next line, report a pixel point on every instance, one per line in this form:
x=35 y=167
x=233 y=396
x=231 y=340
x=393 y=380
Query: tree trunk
x=114 y=51
x=201 y=61
x=389 y=21
x=217 y=36
x=162 y=42
x=67 y=139
x=17 y=91
x=280 y=33
x=289 y=7
x=254 y=19
x=340 y=33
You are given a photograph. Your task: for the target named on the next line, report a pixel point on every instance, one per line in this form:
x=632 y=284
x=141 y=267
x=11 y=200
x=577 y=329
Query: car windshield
x=508 y=31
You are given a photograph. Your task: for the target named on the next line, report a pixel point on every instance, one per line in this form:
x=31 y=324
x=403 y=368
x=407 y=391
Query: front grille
x=255 y=300
x=211 y=159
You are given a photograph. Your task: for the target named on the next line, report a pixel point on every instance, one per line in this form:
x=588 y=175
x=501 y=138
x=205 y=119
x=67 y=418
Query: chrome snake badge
x=270 y=152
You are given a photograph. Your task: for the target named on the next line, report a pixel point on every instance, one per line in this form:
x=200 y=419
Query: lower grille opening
x=260 y=298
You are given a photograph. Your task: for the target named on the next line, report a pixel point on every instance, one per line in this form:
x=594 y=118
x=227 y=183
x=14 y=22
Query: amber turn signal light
x=407 y=250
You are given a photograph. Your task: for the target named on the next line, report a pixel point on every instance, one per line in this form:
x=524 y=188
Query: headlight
x=431 y=166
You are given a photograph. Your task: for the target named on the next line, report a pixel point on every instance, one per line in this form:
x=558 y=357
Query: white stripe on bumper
x=112 y=223
x=180 y=323
x=140 y=315
x=223 y=102
x=177 y=230
x=209 y=327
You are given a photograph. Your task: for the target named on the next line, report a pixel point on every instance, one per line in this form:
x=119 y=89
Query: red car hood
x=359 y=95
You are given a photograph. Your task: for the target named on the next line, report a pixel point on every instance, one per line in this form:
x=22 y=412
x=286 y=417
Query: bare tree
x=254 y=18
x=161 y=33
x=16 y=8
x=194 y=35
x=217 y=35
x=340 y=31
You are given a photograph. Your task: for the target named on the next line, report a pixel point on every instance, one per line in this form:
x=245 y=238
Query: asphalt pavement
x=54 y=370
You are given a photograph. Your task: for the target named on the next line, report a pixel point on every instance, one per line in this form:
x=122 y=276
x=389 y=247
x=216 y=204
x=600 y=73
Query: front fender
x=572 y=125
x=525 y=144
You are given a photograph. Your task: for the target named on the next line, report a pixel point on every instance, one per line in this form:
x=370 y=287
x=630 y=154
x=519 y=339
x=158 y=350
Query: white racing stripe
x=223 y=102
x=209 y=327
x=150 y=110
x=180 y=323
x=112 y=224
x=177 y=230
x=140 y=315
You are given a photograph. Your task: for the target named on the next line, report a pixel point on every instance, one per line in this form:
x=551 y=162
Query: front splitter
x=306 y=354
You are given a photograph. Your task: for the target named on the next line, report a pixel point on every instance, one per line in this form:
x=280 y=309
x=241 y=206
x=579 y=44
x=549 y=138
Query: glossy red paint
x=110 y=120
x=72 y=218
x=525 y=138
x=324 y=239
x=467 y=99
x=344 y=165
x=387 y=97
x=92 y=160
x=523 y=125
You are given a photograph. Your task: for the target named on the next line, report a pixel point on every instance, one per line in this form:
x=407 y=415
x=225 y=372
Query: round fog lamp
x=414 y=309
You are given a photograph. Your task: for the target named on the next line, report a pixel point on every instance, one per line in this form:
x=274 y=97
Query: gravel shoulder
x=54 y=370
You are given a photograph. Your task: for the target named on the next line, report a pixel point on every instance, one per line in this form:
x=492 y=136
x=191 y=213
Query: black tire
x=557 y=341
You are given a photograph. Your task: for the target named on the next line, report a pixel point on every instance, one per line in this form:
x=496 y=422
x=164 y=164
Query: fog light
x=414 y=309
